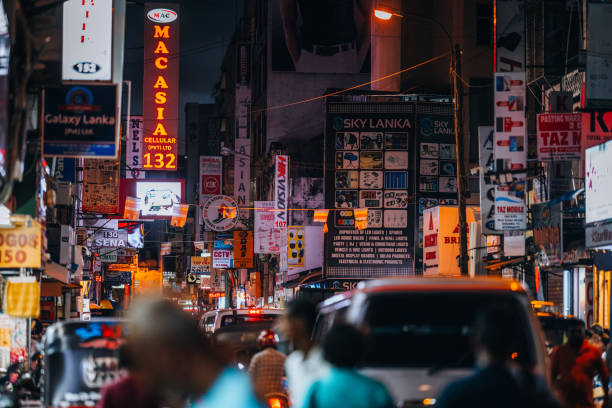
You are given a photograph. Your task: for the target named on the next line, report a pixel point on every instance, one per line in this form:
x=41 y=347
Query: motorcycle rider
x=267 y=367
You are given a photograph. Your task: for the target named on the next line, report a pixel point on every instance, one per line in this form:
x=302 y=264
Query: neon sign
x=160 y=88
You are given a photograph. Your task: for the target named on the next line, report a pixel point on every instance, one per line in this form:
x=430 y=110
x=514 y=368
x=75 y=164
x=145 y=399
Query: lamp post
x=454 y=71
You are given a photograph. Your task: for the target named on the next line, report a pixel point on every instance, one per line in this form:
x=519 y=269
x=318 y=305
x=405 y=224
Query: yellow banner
x=20 y=247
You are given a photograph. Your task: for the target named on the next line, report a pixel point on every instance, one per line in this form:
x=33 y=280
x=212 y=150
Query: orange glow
x=254 y=312
x=161 y=62
x=382 y=14
x=274 y=403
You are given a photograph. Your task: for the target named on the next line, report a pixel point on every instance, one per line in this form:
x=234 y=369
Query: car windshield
x=433 y=329
x=243 y=319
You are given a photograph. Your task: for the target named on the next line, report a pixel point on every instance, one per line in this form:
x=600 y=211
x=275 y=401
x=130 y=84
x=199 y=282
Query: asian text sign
x=21 y=247
x=559 y=136
x=160 y=87
x=243 y=249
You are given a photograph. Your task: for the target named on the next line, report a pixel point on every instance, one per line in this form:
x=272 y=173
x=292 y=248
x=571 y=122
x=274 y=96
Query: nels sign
x=160 y=88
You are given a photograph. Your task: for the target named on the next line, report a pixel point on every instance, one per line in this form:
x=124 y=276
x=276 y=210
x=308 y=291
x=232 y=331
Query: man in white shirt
x=306 y=364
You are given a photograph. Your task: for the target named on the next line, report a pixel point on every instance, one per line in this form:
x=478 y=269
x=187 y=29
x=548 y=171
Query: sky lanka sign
x=160 y=87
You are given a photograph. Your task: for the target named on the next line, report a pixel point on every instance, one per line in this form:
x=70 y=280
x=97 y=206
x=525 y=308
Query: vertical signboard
x=510 y=150
x=559 y=136
x=487 y=191
x=100 y=186
x=211 y=168
x=243 y=249
x=599 y=56
x=87 y=29
x=281 y=190
x=296 y=246
x=598 y=173
x=509 y=47
x=160 y=86
x=133 y=149
x=242 y=143
x=368 y=145
x=548 y=233
x=267 y=236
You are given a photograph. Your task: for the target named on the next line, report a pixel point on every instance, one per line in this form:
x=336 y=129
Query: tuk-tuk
x=80 y=358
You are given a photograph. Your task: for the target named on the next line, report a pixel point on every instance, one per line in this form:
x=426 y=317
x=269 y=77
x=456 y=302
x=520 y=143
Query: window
x=484 y=24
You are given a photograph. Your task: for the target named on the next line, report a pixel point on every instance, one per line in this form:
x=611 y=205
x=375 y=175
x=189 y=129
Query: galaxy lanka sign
x=160 y=87
x=80 y=121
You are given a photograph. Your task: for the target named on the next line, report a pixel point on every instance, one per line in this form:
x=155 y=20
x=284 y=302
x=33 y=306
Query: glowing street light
x=382 y=14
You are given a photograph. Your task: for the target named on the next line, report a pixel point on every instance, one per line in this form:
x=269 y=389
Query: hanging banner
x=296 y=246
x=559 y=136
x=160 y=86
x=243 y=249
x=509 y=47
x=133 y=149
x=487 y=191
x=510 y=150
x=596 y=128
x=20 y=247
x=548 y=233
x=267 y=237
x=100 y=186
x=242 y=171
x=80 y=121
x=281 y=190
x=211 y=169
x=87 y=28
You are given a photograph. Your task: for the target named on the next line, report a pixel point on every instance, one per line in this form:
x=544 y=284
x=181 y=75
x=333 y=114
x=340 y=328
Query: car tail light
x=275 y=403
x=254 y=312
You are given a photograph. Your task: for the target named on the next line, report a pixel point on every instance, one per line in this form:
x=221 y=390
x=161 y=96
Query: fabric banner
x=22 y=298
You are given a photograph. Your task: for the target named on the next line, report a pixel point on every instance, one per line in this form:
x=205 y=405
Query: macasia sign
x=160 y=87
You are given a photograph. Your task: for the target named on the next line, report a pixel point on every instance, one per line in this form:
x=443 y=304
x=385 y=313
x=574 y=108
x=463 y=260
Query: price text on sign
x=20 y=247
x=160 y=88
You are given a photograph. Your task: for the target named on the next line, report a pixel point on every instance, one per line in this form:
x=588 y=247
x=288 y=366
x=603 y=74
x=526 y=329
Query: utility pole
x=458 y=116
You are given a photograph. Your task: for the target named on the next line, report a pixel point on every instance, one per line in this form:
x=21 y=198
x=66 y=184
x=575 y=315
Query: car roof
x=430 y=284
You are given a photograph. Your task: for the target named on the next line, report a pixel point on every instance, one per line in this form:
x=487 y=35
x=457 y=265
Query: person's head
x=13 y=372
x=166 y=345
x=576 y=332
x=495 y=334
x=267 y=338
x=35 y=360
x=299 y=320
x=343 y=346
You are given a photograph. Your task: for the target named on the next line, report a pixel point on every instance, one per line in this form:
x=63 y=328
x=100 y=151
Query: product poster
x=370 y=179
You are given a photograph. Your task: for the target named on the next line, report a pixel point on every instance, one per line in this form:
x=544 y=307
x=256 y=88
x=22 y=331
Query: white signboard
x=510 y=150
x=598 y=173
x=222 y=258
x=87 y=29
x=242 y=171
x=266 y=236
x=510 y=35
x=281 y=190
x=220 y=213
x=211 y=168
x=487 y=191
x=133 y=150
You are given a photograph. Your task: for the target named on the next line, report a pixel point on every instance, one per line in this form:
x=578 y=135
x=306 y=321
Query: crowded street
x=305 y=203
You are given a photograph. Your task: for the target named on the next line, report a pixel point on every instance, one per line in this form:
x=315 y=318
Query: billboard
x=133 y=149
x=310 y=40
x=160 y=86
x=559 y=136
x=510 y=150
x=211 y=168
x=599 y=56
x=367 y=142
x=596 y=128
x=548 y=233
x=87 y=29
x=598 y=173
x=305 y=248
x=242 y=171
x=100 y=186
x=80 y=121
x=509 y=47
x=159 y=198
x=21 y=247
x=487 y=191
x=243 y=252
x=281 y=190
x=222 y=254
x=266 y=235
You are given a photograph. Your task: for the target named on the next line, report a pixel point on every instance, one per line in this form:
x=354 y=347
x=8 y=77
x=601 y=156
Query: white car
x=419 y=330
x=216 y=319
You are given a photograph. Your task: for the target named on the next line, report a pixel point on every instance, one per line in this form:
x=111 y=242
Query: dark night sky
x=206 y=28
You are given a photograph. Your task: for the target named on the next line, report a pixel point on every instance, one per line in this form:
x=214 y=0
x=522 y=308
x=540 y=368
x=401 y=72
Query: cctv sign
x=160 y=87
x=87 y=30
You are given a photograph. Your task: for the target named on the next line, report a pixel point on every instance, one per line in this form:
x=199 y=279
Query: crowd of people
x=171 y=364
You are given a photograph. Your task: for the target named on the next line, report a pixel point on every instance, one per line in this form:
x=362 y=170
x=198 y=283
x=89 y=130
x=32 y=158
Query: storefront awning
x=57 y=271
x=53 y=287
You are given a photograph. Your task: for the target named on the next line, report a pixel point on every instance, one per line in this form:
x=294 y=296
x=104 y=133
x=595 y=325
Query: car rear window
x=231 y=320
x=433 y=329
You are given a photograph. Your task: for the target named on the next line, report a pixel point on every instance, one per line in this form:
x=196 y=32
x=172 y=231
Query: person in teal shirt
x=344 y=386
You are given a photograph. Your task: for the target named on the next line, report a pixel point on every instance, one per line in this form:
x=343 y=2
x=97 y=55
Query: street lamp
x=454 y=71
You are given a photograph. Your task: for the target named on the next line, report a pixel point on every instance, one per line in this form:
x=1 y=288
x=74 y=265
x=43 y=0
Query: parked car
x=419 y=330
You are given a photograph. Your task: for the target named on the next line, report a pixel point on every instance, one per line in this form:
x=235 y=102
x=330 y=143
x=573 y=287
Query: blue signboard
x=81 y=121
x=65 y=169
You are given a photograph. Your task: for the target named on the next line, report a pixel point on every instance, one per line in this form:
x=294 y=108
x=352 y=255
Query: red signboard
x=160 y=87
x=559 y=136
x=211 y=184
x=596 y=128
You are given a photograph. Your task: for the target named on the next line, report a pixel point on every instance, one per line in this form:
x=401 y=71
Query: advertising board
x=243 y=249
x=548 y=233
x=21 y=247
x=87 y=29
x=487 y=191
x=266 y=236
x=159 y=198
x=100 y=192
x=133 y=149
x=509 y=46
x=211 y=168
x=160 y=86
x=596 y=128
x=281 y=190
x=598 y=90
x=559 y=136
x=598 y=173
x=80 y=121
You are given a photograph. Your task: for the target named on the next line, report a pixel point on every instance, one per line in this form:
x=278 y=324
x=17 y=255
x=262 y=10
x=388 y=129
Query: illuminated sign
x=160 y=87
x=158 y=198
